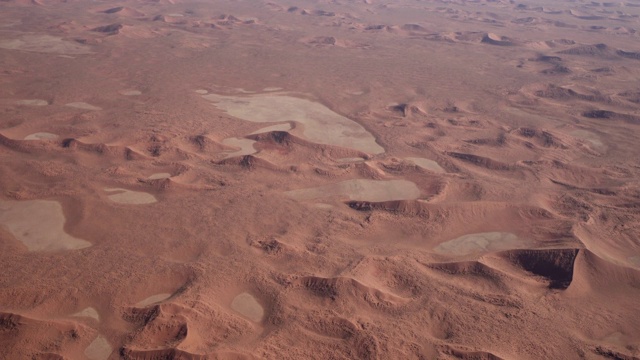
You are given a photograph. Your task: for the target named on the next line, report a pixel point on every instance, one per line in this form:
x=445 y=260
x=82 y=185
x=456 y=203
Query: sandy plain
x=339 y=179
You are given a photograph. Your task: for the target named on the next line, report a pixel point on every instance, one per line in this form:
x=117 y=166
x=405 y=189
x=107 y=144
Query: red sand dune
x=319 y=180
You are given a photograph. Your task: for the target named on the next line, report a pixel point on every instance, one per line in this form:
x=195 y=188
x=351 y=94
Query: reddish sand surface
x=319 y=179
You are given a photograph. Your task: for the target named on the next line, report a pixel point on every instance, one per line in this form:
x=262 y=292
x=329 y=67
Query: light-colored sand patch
x=33 y=102
x=272 y=89
x=202 y=91
x=159 y=176
x=124 y=196
x=616 y=338
x=88 y=312
x=99 y=349
x=243 y=91
x=360 y=189
x=246 y=305
x=350 y=160
x=153 y=299
x=494 y=37
x=7 y=23
x=83 y=106
x=245 y=145
x=279 y=127
x=175 y=15
x=41 y=136
x=322 y=206
x=321 y=124
x=591 y=138
x=44 y=44
x=481 y=243
x=130 y=92
x=426 y=164
x=39 y=225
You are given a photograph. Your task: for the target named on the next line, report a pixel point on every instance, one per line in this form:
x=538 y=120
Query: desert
x=319 y=179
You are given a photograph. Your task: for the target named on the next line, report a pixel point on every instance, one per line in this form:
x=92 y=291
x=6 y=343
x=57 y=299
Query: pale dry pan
x=33 y=102
x=99 y=349
x=88 y=312
x=41 y=136
x=124 y=196
x=83 y=106
x=159 y=176
x=153 y=299
x=39 y=225
x=44 y=44
x=279 y=127
x=360 y=189
x=481 y=243
x=350 y=160
x=593 y=139
x=201 y=91
x=426 y=164
x=245 y=145
x=246 y=305
x=130 y=92
x=321 y=124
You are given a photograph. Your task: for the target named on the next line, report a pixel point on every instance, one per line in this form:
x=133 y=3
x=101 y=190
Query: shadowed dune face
x=554 y=265
x=315 y=179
